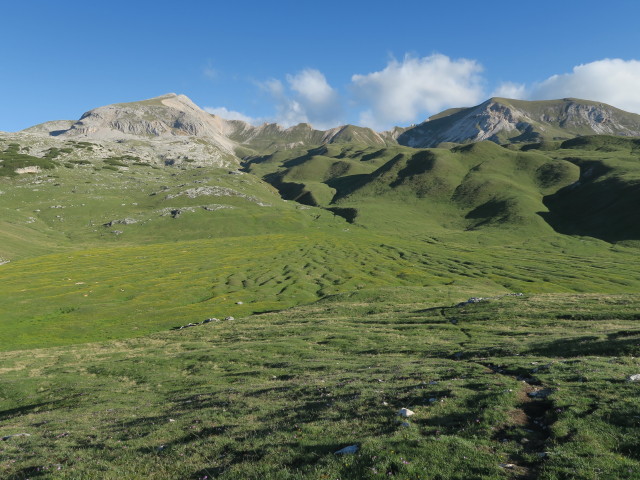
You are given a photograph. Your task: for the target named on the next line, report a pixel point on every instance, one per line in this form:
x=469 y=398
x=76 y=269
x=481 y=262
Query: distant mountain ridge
x=170 y=117
x=507 y=121
x=166 y=116
x=524 y=179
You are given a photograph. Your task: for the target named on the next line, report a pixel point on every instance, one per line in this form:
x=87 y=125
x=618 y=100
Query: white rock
x=405 y=412
x=634 y=378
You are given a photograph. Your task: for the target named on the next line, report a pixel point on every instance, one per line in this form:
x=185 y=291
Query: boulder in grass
x=634 y=378
x=351 y=449
x=405 y=413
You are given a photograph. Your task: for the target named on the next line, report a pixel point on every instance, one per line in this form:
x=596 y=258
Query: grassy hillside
x=512 y=387
x=346 y=297
x=125 y=291
x=603 y=202
x=463 y=187
x=106 y=251
x=79 y=203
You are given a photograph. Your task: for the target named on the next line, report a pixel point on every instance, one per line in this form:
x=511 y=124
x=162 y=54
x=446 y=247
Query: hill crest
x=504 y=120
x=501 y=120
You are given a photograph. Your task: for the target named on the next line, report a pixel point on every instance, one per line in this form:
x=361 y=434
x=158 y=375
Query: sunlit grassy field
x=512 y=387
x=338 y=322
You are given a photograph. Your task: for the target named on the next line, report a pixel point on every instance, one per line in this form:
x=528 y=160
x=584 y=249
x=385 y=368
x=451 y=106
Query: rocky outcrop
x=53 y=128
x=271 y=136
x=169 y=130
x=167 y=116
x=503 y=120
x=172 y=130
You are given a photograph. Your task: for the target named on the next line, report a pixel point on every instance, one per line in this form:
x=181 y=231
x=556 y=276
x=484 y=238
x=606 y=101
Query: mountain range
x=171 y=118
x=274 y=296
x=528 y=166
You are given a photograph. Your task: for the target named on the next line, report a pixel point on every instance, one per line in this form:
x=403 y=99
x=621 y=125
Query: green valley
x=323 y=281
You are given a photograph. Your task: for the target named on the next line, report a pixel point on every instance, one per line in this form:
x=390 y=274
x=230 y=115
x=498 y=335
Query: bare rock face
x=169 y=129
x=167 y=116
x=500 y=120
x=52 y=128
x=272 y=136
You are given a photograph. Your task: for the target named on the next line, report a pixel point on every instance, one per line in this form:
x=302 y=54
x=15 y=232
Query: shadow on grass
x=306 y=456
x=206 y=400
x=614 y=345
x=14 y=412
x=440 y=309
x=191 y=437
x=145 y=422
x=27 y=473
x=452 y=422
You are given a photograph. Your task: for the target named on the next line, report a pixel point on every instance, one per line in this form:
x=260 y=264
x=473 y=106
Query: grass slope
x=513 y=387
x=116 y=251
x=106 y=254
x=106 y=202
x=603 y=203
x=120 y=292
x=463 y=187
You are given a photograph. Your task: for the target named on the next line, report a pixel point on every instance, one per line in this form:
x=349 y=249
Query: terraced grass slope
x=530 y=387
x=120 y=292
x=464 y=187
x=103 y=253
x=75 y=200
x=604 y=202
x=114 y=248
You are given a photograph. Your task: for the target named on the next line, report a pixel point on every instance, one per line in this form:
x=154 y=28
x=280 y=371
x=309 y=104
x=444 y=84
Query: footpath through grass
x=512 y=387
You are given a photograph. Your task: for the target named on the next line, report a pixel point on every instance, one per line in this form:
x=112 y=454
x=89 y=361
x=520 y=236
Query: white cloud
x=209 y=72
x=232 y=115
x=415 y=87
x=307 y=98
x=288 y=111
x=613 y=81
x=312 y=86
x=510 y=90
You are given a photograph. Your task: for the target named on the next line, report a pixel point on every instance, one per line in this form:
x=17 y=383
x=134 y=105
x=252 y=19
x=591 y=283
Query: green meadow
x=346 y=269
x=275 y=395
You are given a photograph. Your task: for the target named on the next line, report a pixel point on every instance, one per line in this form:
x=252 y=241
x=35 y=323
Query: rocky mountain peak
x=164 y=117
x=505 y=120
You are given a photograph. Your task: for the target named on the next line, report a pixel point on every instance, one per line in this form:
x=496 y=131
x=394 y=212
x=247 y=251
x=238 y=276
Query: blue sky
x=373 y=63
